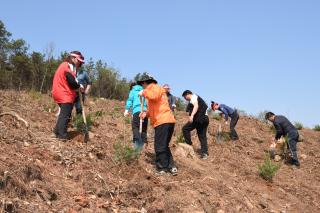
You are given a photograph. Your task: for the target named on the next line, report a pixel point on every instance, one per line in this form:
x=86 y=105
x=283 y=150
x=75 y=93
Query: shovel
x=141 y=120
x=219 y=134
x=85 y=126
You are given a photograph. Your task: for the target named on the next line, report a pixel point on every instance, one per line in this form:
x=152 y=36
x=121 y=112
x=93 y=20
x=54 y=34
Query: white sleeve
x=194 y=99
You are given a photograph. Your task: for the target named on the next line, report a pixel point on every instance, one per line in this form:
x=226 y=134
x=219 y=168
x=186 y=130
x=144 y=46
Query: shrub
x=124 y=153
x=267 y=170
x=127 y=120
x=298 y=125
x=216 y=116
x=34 y=94
x=316 y=127
x=99 y=113
x=79 y=124
x=180 y=139
x=261 y=116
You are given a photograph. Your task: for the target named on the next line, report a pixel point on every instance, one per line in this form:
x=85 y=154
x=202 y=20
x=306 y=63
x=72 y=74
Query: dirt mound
x=40 y=174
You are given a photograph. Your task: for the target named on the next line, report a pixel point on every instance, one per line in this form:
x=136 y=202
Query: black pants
x=293 y=137
x=201 y=128
x=162 y=137
x=138 y=140
x=77 y=103
x=233 y=123
x=63 y=120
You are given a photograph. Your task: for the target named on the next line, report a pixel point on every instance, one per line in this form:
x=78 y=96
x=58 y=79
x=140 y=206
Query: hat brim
x=152 y=81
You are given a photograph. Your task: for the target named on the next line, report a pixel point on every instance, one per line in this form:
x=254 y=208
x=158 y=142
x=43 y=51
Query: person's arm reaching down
x=279 y=132
x=72 y=81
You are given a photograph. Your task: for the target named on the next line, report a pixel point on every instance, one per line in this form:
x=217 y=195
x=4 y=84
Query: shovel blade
x=85 y=133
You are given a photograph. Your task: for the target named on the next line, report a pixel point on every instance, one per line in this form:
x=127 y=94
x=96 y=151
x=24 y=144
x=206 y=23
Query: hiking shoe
x=204 y=156
x=174 y=171
x=294 y=163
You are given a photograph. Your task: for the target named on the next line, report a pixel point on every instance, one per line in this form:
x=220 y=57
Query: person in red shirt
x=64 y=90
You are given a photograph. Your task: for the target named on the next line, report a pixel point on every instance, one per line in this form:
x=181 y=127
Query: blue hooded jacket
x=133 y=100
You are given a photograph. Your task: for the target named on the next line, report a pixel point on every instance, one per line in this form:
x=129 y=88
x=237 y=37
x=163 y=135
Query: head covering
x=166 y=86
x=146 y=77
x=79 y=56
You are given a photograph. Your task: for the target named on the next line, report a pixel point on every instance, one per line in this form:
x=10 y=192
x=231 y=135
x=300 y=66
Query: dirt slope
x=39 y=174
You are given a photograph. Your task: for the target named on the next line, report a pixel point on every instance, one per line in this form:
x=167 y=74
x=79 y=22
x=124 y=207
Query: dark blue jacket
x=227 y=111
x=83 y=78
x=283 y=126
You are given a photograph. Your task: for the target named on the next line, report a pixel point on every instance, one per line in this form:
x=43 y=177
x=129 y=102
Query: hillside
x=40 y=174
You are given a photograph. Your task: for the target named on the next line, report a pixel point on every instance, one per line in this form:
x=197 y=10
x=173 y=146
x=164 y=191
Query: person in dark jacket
x=228 y=112
x=285 y=128
x=64 y=91
x=83 y=79
x=198 y=119
x=172 y=104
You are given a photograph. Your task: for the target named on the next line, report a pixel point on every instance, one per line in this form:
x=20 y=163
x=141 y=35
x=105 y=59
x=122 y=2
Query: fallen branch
x=14 y=114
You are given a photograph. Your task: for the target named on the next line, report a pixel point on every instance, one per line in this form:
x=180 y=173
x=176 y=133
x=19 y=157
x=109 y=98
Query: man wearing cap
x=198 y=119
x=163 y=121
x=172 y=104
x=285 y=128
x=228 y=112
x=64 y=91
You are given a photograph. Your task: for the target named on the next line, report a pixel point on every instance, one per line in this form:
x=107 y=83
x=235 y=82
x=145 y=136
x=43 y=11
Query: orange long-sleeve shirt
x=158 y=111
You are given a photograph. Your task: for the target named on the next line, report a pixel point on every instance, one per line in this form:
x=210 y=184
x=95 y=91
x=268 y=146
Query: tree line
x=23 y=69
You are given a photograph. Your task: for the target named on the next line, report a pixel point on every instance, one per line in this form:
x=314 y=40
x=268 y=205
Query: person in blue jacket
x=133 y=102
x=228 y=112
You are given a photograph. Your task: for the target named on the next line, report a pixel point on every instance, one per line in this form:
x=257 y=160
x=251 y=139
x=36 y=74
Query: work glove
x=143 y=115
x=141 y=93
x=81 y=88
x=126 y=113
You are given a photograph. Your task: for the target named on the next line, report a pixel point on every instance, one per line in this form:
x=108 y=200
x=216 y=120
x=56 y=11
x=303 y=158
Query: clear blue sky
x=250 y=54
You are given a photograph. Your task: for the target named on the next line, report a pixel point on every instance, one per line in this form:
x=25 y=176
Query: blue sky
x=249 y=54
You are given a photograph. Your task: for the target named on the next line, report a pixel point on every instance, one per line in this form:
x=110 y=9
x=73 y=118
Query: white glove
x=126 y=113
x=81 y=86
x=226 y=123
x=141 y=93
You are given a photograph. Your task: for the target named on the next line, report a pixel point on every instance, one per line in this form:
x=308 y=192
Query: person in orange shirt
x=162 y=120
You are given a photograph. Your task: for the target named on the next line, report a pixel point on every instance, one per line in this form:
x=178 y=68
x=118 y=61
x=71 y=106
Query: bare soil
x=41 y=174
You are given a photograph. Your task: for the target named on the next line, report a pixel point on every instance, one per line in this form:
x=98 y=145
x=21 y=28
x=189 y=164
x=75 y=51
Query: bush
x=267 y=170
x=316 y=128
x=99 y=113
x=298 y=125
x=34 y=94
x=127 y=120
x=79 y=124
x=261 y=116
x=180 y=139
x=217 y=116
x=124 y=153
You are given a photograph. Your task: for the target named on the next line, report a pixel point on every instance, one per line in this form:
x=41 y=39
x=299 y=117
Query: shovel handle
x=141 y=110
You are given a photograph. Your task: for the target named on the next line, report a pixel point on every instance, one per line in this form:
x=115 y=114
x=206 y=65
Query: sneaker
x=294 y=163
x=204 y=156
x=174 y=171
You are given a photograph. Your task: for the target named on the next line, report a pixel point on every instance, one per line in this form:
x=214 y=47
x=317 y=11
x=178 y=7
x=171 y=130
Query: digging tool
x=219 y=134
x=85 y=126
x=141 y=120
